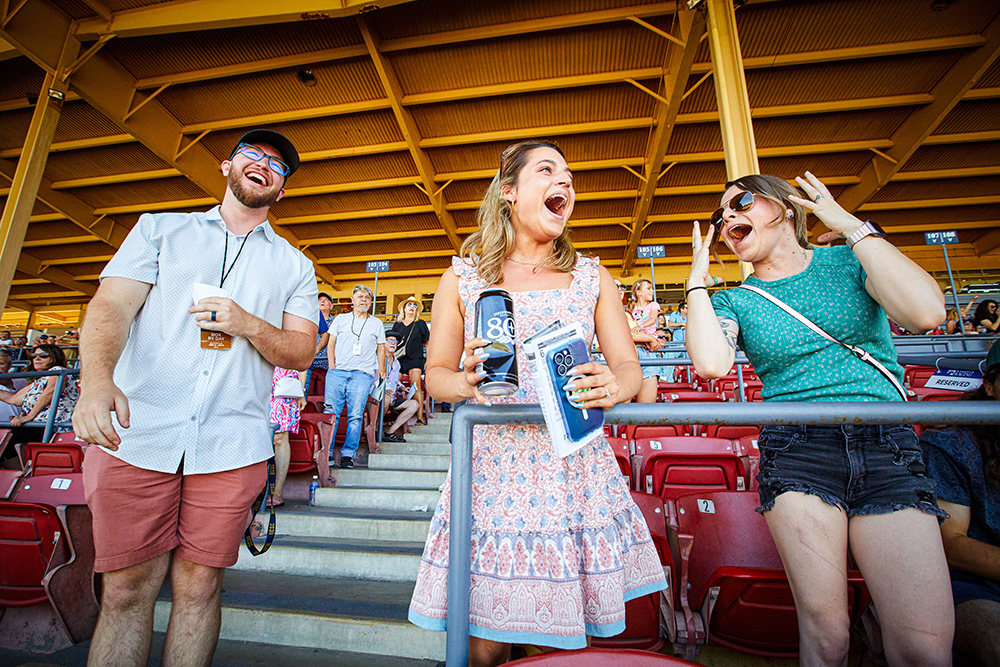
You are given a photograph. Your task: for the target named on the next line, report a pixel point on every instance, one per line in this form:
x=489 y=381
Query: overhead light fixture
x=306 y=77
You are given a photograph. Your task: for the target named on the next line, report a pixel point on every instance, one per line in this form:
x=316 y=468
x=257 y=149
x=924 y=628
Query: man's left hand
x=229 y=317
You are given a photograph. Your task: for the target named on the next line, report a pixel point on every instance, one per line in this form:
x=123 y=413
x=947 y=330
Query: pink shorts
x=140 y=514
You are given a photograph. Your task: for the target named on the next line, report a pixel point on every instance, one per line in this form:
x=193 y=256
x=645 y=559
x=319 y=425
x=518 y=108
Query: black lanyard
x=225 y=274
x=358 y=335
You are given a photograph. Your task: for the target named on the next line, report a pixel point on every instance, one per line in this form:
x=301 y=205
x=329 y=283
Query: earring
x=788 y=214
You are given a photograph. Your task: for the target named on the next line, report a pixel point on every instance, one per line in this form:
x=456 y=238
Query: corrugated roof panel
x=927 y=158
x=21 y=79
x=972 y=116
x=608 y=234
x=594 y=210
x=990 y=78
x=597 y=103
x=95 y=249
x=384 y=225
x=854 y=79
x=76 y=9
x=829 y=127
x=589 y=50
x=85 y=269
x=415 y=246
x=461 y=191
x=354 y=130
x=694 y=173
x=122 y=5
x=159 y=55
x=413 y=18
x=823 y=165
x=941 y=216
x=342 y=202
x=102 y=161
x=79 y=120
x=695 y=138
x=354 y=170
x=605 y=180
x=950 y=188
x=14 y=128
x=424 y=265
x=41 y=231
x=685 y=204
x=273 y=92
x=126 y=194
x=769 y=28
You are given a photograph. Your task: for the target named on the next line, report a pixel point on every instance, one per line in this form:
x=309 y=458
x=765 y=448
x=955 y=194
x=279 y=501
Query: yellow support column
x=731 y=95
x=30 y=168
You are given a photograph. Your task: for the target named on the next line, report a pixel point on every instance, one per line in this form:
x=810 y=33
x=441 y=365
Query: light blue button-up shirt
x=208 y=408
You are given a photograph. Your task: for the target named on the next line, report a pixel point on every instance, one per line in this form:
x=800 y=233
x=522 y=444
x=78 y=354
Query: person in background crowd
x=677 y=322
x=397 y=397
x=10 y=385
x=321 y=361
x=525 y=499
x=36 y=397
x=5 y=338
x=171 y=490
x=415 y=336
x=821 y=487
x=986 y=319
x=357 y=356
x=284 y=418
x=642 y=314
x=965 y=464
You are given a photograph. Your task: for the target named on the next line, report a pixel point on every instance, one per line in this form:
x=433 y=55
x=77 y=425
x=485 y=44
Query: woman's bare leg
x=415 y=375
x=647 y=391
x=811 y=537
x=902 y=558
x=282 y=457
x=487 y=653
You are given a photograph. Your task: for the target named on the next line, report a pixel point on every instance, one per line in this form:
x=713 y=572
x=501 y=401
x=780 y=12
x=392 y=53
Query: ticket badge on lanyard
x=212 y=340
x=357 y=349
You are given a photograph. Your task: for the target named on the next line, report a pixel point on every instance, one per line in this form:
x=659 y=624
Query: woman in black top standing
x=414 y=334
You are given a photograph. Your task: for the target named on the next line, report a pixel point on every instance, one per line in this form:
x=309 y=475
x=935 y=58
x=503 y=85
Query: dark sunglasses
x=741 y=203
x=255 y=154
x=41 y=355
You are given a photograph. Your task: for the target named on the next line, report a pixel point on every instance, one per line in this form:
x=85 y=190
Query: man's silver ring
x=213 y=315
x=607 y=393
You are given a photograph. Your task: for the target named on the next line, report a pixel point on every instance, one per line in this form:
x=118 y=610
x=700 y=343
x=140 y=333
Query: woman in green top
x=822 y=486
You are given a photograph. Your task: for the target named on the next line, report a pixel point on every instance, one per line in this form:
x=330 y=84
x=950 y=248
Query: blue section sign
x=651 y=251
x=377 y=266
x=941 y=238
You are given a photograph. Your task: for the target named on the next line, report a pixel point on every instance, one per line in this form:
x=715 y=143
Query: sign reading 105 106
x=650 y=251
x=377 y=266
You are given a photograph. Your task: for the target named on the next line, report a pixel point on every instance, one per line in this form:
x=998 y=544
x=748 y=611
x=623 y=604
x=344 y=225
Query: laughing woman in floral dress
x=558 y=546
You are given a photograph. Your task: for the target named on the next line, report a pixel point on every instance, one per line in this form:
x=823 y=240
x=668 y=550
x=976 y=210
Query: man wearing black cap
x=193 y=313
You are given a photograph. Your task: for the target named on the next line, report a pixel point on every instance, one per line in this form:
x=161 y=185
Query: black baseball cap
x=993 y=359
x=289 y=155
x=394 y=334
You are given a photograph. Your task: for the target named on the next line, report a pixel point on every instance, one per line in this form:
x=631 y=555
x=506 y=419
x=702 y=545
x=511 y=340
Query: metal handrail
x=50 y=423
x=774 y=413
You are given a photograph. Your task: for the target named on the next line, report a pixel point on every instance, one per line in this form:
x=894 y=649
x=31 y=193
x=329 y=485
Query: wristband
x=691 y=289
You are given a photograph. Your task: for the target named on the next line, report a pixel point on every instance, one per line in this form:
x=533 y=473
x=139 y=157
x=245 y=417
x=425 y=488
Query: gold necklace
x=517 y=261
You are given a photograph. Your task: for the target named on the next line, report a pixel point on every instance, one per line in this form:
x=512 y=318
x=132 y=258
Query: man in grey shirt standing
x=357 y=356
x=189 y=388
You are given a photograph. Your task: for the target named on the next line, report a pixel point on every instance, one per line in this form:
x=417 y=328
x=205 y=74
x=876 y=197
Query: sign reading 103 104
x=377 y=266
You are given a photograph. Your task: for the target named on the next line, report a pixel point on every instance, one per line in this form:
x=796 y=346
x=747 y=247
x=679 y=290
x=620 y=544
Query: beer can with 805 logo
x=495 y=323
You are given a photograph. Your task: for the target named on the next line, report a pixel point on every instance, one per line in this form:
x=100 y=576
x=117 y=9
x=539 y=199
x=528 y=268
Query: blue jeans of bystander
x=350 y=388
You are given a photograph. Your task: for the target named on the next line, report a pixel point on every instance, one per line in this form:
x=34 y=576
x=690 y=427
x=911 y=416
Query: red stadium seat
x=636 y=431
x=304 y=443
x=925 y=394
x=753 y=395
x=28 y=538
x=917 y=376
x=50 y=458
x=732 y=581
x=672 y=467
x=750 y=453
x=729 y=432
x=693 y=397
x=643 y=614
x=68 y=436
x=601 y=657
x=624 y=458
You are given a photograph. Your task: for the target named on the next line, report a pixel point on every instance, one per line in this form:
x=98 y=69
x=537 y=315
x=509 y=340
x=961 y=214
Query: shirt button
x=193 y=417
x=204 y=372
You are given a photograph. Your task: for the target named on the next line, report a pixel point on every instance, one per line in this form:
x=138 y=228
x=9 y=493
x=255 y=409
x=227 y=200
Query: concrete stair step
x=399 y=499
x=426 y=462
x=299 y=518
x=308 y=612
x=433 y=427
x=390 y=478
x=427 y=437
x=336 y=557
x=420 y=448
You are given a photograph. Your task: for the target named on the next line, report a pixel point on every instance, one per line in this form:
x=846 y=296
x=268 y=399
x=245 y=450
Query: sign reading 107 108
x=650 y=251
x=940 y=238
x=377 y=266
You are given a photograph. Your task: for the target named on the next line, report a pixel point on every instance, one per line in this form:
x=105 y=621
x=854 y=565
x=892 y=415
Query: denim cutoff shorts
x=651 y=371
x=861 y=469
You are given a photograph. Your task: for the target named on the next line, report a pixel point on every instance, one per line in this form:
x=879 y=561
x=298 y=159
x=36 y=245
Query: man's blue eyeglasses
x=255 y=154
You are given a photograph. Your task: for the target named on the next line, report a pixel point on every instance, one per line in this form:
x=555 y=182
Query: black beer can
x=495 y=323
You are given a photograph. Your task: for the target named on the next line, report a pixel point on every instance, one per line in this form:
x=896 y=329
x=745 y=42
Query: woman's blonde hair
x=487 y=248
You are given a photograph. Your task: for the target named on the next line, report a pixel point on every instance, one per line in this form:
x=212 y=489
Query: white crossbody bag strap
x=860 y=352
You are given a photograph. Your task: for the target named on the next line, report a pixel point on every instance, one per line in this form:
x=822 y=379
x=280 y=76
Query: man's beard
x=249 y=199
